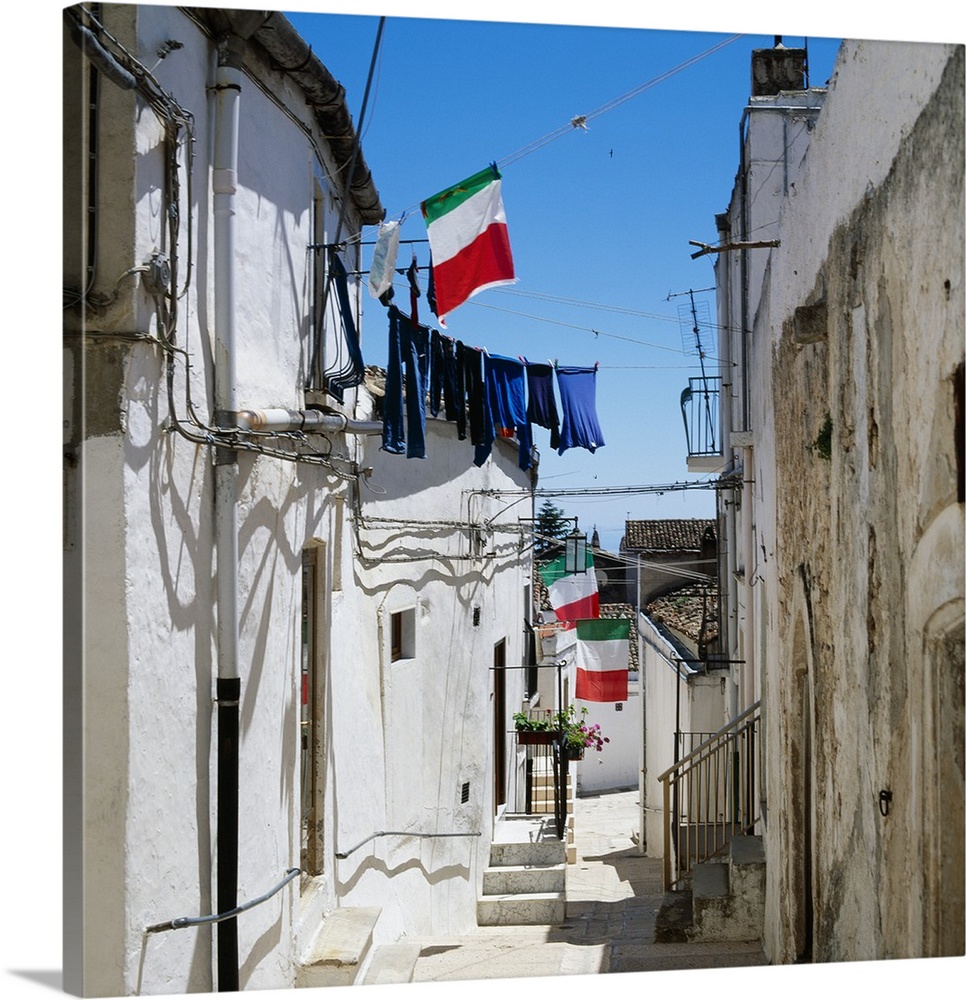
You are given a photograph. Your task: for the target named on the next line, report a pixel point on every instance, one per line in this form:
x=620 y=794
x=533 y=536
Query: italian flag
x=468 y=239
x=572 y=595
x=601 y=658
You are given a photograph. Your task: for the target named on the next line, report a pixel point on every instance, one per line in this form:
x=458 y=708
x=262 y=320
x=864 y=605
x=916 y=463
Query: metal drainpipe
x=228 y=683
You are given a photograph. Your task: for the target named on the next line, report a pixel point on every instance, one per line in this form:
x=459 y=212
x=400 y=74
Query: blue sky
x=600 y=216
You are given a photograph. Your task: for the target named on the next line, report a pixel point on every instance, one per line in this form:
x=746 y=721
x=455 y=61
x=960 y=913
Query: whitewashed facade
x=374 y=593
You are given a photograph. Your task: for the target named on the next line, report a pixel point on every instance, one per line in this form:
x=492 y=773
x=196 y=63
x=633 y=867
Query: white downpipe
x=310 y=421
x=224 y=186
x=228 y=681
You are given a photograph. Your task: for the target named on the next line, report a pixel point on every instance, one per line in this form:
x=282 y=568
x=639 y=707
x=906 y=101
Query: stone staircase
x=726 y=899
x=525 y=882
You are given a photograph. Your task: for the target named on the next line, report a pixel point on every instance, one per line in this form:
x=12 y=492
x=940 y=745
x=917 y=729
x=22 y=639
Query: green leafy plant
x=524 y=723
x=577 y=735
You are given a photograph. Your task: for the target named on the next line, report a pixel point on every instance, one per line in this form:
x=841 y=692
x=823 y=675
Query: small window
x=403 y=635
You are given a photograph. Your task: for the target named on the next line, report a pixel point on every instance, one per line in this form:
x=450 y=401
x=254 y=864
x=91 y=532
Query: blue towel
x=578 y=400
x=506 y=392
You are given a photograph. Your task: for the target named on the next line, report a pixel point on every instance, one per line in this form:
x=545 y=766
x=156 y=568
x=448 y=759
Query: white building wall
x=618 y=764
x=424 y=726
x=666 y=708
x=401 y=738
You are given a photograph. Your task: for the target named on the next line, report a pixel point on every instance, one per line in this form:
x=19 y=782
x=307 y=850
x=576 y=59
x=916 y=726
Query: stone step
x=547 y=781
x=729 y=894
x=522 y=908
x=710 y=880
x=392 y=963
x=340 y=948
x=544 y=852
x=524 y=879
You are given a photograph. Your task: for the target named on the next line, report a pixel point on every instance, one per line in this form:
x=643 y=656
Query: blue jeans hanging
x=409 y=351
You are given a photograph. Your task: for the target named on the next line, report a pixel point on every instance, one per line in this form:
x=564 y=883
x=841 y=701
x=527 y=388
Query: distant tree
x=551 y=523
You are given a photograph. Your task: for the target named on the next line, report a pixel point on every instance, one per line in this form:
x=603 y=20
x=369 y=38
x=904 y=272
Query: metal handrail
x=342 y=855
x=710 y=740
x=716 y=784
x=215 y=918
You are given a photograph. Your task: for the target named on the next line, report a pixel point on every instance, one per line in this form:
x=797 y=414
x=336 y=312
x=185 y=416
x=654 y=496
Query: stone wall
x=864 y=379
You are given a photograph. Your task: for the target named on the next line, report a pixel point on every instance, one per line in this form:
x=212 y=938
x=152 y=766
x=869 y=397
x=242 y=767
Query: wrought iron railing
x=699 y=408
x=711 y=796
x=542 y=778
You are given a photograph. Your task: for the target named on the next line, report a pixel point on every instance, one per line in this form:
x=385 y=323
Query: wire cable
x=580 y=121
x=585 y=329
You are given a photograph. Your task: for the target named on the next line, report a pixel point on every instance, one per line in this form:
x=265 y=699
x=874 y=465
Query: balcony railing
x=699 y=408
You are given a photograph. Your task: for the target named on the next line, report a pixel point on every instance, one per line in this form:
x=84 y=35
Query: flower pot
x=530 y=737
x=575 y=753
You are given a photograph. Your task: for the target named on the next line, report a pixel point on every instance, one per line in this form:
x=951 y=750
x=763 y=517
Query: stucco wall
x=618 y=764
x=400 y=739
x=875 y=230
x=422 y=727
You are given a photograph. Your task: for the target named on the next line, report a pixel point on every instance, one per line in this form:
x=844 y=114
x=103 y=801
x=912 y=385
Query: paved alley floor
x=613 y=898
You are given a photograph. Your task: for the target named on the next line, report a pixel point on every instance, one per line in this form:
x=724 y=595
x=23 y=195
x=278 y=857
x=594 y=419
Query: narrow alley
x=614 y=895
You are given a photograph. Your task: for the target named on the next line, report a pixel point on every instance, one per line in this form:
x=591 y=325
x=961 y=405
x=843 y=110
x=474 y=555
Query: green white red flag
x=601 y=658
x=468 y=239
x=572 y=595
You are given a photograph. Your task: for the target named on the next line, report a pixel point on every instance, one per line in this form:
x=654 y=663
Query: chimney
x=777 y=69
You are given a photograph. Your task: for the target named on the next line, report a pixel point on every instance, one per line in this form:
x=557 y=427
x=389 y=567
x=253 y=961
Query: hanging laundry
x=506 y=392
x=467 y=230
x=383 y=266
x=431 y=291
x=442 y=376
x=453 y=398
x=436 y=371
x=413 y=290
x=542 y=406
x=578 y=400
x=459 y=362
x=352 y=371
x=409 y=352
x=479 y=410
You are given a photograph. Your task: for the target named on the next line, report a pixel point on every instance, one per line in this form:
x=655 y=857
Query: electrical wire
x=585 y=329
x=580 y=121
x=563 y=491
x=597 y=306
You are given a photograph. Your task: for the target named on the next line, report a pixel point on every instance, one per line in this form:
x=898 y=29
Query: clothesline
x=486 y=395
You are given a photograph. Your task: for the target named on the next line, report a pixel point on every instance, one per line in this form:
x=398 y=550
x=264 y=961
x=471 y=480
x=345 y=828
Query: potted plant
x=577 y=735
x=534 y=731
